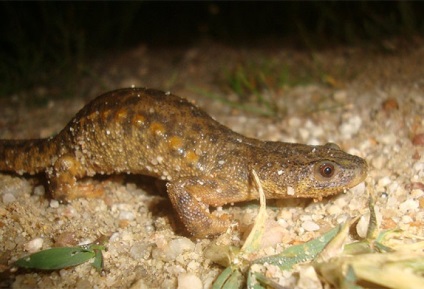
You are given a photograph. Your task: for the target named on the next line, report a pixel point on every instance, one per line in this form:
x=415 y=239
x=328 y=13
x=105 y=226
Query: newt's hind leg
x=63 y=180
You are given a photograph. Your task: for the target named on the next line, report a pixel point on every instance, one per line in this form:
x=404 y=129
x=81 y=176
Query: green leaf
x=56 y=258
x=300 y=253
x=230 y=278
x=62 y=257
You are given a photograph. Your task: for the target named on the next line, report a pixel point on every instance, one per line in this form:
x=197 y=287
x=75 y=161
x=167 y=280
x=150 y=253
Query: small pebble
x=390 y=105
x=408 y=205
x=379 y=162
x=189 y=281
x=39 y=191
x=351 y=126
x=383 y=182
x=8 y=198
x=340 y=95
x=125 y=215
x=34 y=245
x=173 y=249
x=54 y=204
x=310 y=226
x=418 y=139
x=140 y=251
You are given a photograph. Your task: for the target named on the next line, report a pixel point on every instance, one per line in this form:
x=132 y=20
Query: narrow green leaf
x=222 y=278
x=300 y=253
x=98 y=260
x=56 y=258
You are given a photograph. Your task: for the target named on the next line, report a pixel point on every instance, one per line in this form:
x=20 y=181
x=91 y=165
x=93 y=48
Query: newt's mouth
x=360 y=173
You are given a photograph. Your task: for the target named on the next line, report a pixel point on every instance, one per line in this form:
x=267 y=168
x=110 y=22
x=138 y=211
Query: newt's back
x=145 y=131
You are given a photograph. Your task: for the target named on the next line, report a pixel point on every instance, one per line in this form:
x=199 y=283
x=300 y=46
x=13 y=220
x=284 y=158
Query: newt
x=206 y=164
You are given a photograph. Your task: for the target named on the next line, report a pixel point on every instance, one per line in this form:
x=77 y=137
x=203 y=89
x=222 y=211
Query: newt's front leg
x=191 y=198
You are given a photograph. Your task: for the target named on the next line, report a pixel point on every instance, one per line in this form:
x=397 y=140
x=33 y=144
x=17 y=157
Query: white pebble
x=406 y=219
x=379 y=162
x=304 y=133
x=54 y=204
x=173 y=249
x=140 y=251
x=34 y=245
x=359 y=189
x=295 y=122
x=334 y=210
x=419 y=166
x=388 y=138
x=340 y=95
x=351 y=126
x=8 y=198
x=408 y=205
x=189 y=281
x=125 y=215
x=39 y=191
x=310 y=226
x=384 y=181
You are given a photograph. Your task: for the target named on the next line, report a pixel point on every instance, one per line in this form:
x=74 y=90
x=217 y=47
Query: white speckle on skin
x=290 y=191
x=221 y=162
x=108 y=132
x=280 y=172
x=168 y=93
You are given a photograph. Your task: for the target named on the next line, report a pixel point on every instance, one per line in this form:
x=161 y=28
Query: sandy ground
x=369 y=100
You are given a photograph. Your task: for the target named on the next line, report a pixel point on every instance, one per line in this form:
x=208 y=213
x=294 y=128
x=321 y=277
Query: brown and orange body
x=149 y=132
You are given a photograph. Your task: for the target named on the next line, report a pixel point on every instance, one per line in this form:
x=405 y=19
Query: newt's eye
x=326 y=170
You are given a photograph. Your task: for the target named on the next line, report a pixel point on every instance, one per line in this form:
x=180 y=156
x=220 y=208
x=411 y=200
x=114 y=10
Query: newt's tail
x=26 y=156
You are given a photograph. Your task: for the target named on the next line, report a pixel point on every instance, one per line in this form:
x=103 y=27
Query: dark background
x=40 y=40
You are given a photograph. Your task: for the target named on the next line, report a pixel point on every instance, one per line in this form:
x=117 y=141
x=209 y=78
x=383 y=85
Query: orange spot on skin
x=122 y=113
x=192 y=157
x=92 y=116
x=175 y=142
x=157 y=128
x=138 y=120
x=105 y=114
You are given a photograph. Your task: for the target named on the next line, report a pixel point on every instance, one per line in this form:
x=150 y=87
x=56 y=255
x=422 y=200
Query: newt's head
x=303 y=171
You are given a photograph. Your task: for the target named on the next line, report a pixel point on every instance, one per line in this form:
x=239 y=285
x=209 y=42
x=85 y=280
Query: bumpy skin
x=149 y=132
